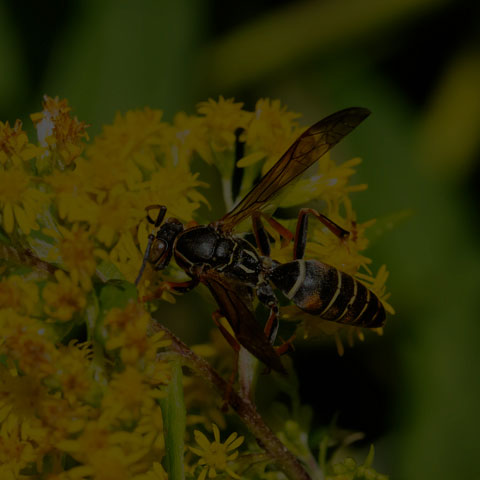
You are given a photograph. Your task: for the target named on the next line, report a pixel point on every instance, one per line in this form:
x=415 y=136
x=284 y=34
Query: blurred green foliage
x=416 y=65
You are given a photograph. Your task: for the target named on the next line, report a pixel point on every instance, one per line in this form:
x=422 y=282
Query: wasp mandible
x=234 y=270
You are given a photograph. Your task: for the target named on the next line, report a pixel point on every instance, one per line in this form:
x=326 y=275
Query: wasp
x=235 y=271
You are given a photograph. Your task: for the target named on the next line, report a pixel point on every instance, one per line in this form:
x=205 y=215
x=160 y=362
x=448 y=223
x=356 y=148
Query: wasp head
x=162 y=246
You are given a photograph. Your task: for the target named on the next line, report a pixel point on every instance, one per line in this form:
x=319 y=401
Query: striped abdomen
x=323 y=290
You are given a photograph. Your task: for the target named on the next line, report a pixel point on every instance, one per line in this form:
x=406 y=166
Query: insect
x=234 y=270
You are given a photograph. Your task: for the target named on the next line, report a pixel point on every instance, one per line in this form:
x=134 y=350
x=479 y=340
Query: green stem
x=244 y=407
x=173 y=413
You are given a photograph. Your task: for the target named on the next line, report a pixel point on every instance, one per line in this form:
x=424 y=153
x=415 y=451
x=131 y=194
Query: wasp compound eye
x=157 y=253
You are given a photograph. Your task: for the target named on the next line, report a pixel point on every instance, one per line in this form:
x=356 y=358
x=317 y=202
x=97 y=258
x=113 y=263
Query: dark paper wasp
x=234 y=270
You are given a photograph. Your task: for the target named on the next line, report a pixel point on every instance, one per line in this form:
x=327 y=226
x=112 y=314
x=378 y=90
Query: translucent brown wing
x=304 y=152
x=233 y=301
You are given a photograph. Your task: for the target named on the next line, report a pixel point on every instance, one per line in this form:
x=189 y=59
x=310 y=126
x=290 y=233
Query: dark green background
x=416 y=65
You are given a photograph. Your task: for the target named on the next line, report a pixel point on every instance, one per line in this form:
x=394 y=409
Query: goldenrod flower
x=59 y=131
x=18 y=294
x=16 y=452
x=216 y=456
x=20 y=395
x=20 y=201
x=157 y=472
x=14 y=146
x=70 y=193
x=271 y=131
x=137 y=135
x=74 y=371
x=189 y=134
x=128 y=331
x=27 y=341
x=127 y=395
x=102 y=453
x=75 y=250
x=63 y=298
x=221 y=119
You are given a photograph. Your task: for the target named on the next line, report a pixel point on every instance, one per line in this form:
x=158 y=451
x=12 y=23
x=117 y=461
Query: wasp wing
x=233 y=300
x=304 y=152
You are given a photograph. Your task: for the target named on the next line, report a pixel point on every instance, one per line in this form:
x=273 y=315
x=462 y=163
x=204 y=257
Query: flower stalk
x=242 y=405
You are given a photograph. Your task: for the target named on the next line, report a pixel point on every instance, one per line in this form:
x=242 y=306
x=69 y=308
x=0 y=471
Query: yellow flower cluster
x=80 y=378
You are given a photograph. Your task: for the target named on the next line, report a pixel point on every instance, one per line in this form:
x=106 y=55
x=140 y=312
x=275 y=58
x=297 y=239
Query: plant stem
x=244 y=407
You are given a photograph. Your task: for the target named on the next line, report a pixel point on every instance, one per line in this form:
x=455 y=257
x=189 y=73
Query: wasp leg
x=236 y=349
x=302 y=227
x=265 y=295
x=261 y=236
x=179 y=287
x=286 y=346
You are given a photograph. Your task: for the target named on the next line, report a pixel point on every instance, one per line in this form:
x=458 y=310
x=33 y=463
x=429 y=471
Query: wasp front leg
x=302 y=228
x=178 y=287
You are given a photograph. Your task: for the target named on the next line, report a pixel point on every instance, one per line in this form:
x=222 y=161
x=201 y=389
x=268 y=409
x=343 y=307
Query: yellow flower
x=20 y=203
x=27 y=341
x=59 y=131
x=127 y=395
x=20 y=395
x=221 y=119
x=14 y=146
x=329 y=182
x=74 y=373
x=128 y=330
x=19 y=294
x=136 y=135
x=15 y=451
x=70 y=192
x=269 y=134
x=157 y=472
x=126 y=256
x=103 y=173
x=216 y=456
x=104 y=454
x=63 y=298
x=75 y=251
x=150 y=430
x=173 y=186
x=189 y=133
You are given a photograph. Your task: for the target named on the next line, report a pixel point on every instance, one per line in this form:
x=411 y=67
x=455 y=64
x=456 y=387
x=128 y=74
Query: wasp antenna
x=151 y=237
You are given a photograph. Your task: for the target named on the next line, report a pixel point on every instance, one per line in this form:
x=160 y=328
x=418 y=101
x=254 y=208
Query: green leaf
x=117 y=294
x=108 y=271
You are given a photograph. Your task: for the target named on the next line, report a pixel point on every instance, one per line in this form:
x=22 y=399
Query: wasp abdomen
x=333 y=295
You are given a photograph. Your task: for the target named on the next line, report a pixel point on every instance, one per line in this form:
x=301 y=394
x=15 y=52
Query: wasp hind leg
x=266 y=296
x=302 y=227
